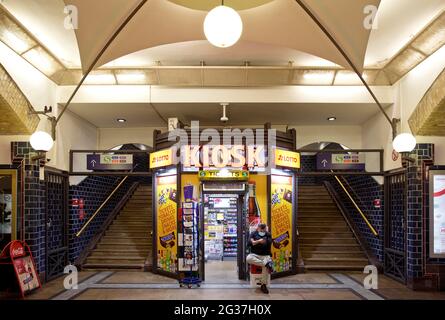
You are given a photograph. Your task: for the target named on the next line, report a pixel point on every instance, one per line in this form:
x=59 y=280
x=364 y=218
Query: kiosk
x=235 y=186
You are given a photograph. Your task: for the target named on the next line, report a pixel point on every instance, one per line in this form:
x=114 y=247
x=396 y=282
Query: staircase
x=128 y=241
x=326 y=240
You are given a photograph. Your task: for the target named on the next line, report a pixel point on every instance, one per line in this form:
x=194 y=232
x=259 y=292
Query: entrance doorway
x=224 y=229
x=8 y=206
x=220 y=234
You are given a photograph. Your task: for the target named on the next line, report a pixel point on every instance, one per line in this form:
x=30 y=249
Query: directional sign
x=337 y=161
x=109 y=162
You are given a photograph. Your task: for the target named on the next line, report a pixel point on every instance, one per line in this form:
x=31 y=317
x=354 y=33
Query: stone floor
x=222 y=284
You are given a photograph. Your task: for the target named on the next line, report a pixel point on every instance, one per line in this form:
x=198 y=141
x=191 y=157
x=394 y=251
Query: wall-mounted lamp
x=42 y=142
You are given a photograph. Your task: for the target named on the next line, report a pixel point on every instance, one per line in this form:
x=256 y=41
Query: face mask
x=262 y=233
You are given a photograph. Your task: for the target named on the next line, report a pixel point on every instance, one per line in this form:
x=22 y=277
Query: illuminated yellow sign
x=288 y=159
x=161 y=158
x=224 y=174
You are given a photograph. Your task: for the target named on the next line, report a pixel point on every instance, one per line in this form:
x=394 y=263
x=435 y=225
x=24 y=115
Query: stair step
x=317 y=241
x=316 y=206
x=115 y=258
x=122 y=253
x=334 y=254
x=319 y=216
x=136 y=243
x=117 y=233
x=131 y=219
x=336 y=261
x=305 y=228
x=314 y=267
x=132 y=237
x=322 y=235
x=127 y=246
x=106 y=266
x=303 y=223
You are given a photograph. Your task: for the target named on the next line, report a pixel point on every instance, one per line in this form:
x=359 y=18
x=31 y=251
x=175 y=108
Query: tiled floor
x=222 y=284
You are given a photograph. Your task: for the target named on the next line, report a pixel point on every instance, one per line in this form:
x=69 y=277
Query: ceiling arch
x=280 y=22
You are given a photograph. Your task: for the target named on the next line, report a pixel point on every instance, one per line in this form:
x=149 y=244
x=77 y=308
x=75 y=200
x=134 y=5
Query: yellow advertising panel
x=167 y=223
x=281 y=221
x=161 y=159
x=288 y=159
x=261 y=194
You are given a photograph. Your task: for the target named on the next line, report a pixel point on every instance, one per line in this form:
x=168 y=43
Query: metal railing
x=373 y=230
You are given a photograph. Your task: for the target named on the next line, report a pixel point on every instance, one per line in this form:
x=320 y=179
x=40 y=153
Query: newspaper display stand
x=189 y=262
x=18 y=257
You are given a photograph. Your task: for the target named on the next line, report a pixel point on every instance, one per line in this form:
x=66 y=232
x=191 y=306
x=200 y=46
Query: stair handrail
x=102 y=205
x=370 y=226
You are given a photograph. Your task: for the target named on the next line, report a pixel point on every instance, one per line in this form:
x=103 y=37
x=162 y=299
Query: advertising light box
x=437 y=214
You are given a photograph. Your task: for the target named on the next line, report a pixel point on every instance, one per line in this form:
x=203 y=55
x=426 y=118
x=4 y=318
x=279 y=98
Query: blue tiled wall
x=309 y=164
x=422 y=152
x=34 y=204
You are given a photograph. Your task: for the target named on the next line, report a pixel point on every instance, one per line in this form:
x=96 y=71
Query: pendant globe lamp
x=223 y=26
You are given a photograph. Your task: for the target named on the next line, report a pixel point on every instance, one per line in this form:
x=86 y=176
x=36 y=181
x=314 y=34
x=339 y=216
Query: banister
x=374 y=232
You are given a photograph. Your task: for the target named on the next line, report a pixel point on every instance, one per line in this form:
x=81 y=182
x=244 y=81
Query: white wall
x=349 y=136
x=111 y=137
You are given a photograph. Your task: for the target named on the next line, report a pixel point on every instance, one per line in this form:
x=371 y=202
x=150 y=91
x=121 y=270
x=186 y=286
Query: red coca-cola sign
x=17 y=250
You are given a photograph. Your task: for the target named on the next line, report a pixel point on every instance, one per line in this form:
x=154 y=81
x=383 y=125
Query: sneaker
x=264 y=289
x=269 y=267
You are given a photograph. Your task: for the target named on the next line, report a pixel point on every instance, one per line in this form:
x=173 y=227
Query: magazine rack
x=189 y=263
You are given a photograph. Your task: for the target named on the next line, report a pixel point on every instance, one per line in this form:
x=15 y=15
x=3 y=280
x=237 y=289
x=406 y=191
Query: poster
x=438 y=215
x=281 y=222
x=26 y=274
x=166 y=211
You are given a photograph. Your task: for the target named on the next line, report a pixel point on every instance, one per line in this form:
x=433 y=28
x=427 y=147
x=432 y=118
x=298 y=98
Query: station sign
x=337 y=161
x=161 y=158
x=286 y=158
x=109 y=161
x=223 y=174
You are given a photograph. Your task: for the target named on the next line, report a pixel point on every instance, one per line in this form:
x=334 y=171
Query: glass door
x=8 y=206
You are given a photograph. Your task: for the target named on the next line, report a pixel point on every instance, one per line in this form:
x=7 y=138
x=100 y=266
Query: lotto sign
x=288 y=159
x=161 y=159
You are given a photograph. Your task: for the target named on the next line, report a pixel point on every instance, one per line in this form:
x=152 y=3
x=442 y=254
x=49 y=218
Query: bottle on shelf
x=254 y=213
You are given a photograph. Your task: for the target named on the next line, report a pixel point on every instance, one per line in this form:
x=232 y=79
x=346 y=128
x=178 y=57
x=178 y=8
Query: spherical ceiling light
x=223 y=26
x=41 y=141
x=404 y=142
